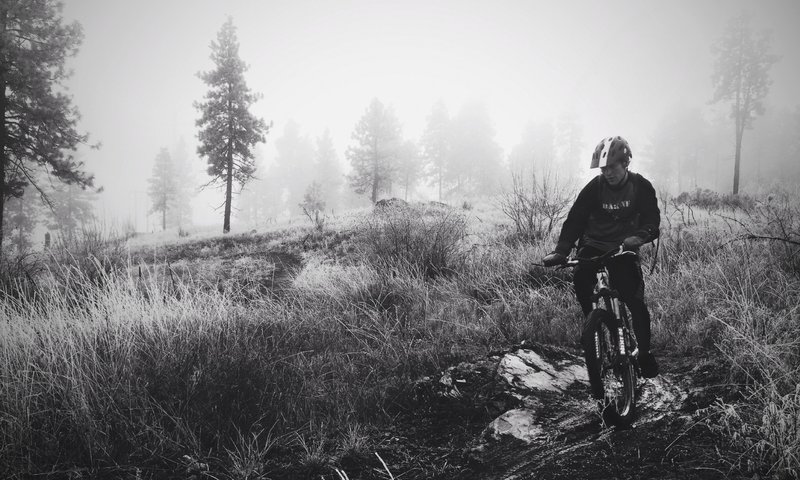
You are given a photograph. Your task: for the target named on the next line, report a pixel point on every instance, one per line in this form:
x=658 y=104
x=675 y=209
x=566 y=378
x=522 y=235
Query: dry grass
x=112 y=370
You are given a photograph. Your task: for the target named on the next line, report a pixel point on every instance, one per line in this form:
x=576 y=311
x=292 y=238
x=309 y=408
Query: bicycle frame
x=607 y=298
x=609 y=344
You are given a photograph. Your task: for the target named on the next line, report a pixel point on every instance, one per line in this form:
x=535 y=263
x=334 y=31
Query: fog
x=617 y=66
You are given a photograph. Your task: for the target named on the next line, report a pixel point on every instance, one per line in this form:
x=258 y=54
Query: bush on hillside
x=711 y=200
x=18 y=274
x=427 y=239
x=535 y=207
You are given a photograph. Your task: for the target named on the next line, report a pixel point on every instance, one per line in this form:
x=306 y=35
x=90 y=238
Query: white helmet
x=611 y=150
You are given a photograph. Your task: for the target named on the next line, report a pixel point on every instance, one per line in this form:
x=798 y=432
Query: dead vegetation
x=182 y=360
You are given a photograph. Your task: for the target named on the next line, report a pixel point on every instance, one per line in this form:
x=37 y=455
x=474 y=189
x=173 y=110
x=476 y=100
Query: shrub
x=711 y=200
x=18 y=276
x=535 y=207
x=313 y=205
x=95 y=253
x=429 y=240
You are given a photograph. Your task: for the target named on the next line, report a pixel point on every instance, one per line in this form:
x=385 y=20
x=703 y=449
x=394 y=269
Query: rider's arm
x=577 y=217
x=649 y=214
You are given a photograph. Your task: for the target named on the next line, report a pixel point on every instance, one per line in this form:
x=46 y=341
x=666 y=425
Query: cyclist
x=616 y=207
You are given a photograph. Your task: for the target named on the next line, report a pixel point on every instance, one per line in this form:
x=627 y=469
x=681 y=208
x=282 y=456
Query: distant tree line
x=690 y=150
x=43 y=182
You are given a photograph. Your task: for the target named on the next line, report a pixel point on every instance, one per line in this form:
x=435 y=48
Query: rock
x=438 y=205
x=519 y=423
x=527 y=370
x=385 y=203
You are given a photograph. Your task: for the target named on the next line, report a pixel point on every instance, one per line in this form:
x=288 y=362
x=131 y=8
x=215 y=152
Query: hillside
x=408 y=342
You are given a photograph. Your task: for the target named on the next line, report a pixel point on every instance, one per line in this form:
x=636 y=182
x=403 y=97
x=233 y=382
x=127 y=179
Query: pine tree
x=295 y=163
x=180 y=215
x=162 y=186
x=328 y=171
x=409 y=167
x=72 y=209
x=741 y=77
x=436 y=144
x=474 y=166
x=228 y=131
x=535 y=154
x=21 y=219
x=569 y=143
x=373 y=157
x=38 y=129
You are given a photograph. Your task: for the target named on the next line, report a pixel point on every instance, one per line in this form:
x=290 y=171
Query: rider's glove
x=632 y=243
x=554 y=258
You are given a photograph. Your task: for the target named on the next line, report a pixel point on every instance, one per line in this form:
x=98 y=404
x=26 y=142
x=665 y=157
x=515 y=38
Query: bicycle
x=609 y=345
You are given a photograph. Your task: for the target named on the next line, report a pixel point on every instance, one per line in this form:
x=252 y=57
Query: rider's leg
x=583 y=278
x=626 y=276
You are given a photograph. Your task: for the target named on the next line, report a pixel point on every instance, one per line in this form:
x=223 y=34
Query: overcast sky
x=617 y=65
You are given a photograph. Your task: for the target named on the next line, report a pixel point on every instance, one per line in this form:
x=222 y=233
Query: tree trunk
x=2 y=180
x=226 y=225
x=740 y=120
x=738 y=154
x=164 y=217
x=20 y=227
x=3 y=133
x=374 y=195
x=440 y=184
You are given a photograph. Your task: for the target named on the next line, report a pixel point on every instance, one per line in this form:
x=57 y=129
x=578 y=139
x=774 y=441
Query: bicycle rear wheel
x=611 y=375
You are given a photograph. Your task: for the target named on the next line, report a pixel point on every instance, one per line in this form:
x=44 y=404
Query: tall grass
x=729 y=284
x=429 y=238
x=136 y=372
x=130 y=379
x=760 y=340
x=108 y=370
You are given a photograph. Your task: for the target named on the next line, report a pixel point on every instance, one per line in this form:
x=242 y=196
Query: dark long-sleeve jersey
x=603 y=216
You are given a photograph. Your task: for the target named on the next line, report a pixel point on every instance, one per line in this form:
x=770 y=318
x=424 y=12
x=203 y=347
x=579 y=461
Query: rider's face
x=614 y=173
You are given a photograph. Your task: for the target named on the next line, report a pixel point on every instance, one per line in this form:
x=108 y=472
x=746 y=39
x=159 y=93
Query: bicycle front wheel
x=611 y=376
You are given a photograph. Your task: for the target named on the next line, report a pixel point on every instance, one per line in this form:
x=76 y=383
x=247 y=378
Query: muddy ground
x=526 y=413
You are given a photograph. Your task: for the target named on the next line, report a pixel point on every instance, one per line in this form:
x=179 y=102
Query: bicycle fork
x=621 y=331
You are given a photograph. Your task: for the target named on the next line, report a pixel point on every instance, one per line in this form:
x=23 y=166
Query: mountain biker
x=616 y=207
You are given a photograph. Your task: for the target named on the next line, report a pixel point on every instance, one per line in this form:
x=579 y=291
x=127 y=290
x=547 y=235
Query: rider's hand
x=554 y=258
x=632 y=243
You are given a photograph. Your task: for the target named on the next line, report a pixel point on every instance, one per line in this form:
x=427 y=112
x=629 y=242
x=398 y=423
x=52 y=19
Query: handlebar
x=617 y=252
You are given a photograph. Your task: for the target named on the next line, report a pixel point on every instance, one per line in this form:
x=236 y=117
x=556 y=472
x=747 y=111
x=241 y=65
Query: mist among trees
x=737 y=141
x=39 y=130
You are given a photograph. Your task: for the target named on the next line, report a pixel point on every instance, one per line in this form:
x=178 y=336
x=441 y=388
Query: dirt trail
x=548 y=427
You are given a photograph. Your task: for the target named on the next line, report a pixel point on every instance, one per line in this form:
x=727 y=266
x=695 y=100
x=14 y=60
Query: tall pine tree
x=38 y=128
x=373 y=157
x=409 y=167
x=294 y=161
x=162 y=186
x=228 y=131
x=20 y=220
x=474 y=165
x=180 y=215
x=741 y=77
x=72 y=210
x=436 y=144
x=328 y=171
